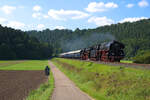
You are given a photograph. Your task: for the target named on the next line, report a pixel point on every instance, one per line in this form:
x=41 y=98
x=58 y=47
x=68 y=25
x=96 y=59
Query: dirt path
x=64 y=88
x=15 y=85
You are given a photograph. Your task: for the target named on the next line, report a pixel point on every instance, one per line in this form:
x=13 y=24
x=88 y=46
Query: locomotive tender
x=108 y=52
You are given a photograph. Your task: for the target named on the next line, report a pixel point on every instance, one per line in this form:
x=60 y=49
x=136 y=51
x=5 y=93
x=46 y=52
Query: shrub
x=142 y=57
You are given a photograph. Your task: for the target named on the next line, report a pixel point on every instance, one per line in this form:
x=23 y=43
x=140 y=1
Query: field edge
x=44 y=92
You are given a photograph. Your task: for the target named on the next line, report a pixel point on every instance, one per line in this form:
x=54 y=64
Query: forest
x=134 y=35
x=17 y=44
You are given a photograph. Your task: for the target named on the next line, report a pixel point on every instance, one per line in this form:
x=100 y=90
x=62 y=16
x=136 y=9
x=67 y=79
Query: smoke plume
x=84 y=41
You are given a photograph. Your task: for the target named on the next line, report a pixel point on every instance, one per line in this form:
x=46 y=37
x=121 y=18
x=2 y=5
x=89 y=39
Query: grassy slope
x=105 y=82
x=27 y=65
x=45 y=90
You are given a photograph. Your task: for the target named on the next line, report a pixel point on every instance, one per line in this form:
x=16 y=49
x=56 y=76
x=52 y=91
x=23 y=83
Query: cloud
x=8 y=9
x=39 y=16
x=12 y=24
x=100 y=21
x=100 y=6
x=66 y=14
x=134 y=19
x=2 y=20
x=60 y=27
x=36 y=15
x=40 y=26
x=129 y=5
x=15 y=24
x=46 y=16
x=143 y=3
x=37 y=8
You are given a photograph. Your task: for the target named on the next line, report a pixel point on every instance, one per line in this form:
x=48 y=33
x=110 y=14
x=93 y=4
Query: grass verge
x=44 y=92
x=105 y=82
x=126 y=61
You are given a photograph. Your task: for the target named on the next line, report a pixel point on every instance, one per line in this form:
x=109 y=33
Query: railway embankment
x=107 y=82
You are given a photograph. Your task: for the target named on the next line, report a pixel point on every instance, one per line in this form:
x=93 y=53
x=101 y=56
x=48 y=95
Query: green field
x=105 y=82
x=23 y=65
x=10 y=62
x=45 y=90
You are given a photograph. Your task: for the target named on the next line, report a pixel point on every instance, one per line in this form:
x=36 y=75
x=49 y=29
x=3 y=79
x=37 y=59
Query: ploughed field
x=16 y=85
x=19 y=78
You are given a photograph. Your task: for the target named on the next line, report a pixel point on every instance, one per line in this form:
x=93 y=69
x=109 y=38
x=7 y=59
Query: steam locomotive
x=107 y=51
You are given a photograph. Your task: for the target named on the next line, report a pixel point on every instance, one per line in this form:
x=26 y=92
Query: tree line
x=16 y=44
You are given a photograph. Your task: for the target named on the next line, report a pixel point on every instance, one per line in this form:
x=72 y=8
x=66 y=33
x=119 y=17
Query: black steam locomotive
x=108 y=52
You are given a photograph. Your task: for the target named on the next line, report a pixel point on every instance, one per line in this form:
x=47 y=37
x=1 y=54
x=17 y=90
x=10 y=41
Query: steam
x=84 y=41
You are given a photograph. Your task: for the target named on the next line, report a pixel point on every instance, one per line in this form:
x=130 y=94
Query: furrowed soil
x=16 y=85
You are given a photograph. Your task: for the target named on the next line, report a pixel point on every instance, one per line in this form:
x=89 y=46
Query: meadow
x=23 y=65
x=9 y=62
x=105 y=82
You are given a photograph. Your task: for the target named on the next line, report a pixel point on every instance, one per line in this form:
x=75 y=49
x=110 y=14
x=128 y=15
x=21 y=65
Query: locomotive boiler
x=108 y=52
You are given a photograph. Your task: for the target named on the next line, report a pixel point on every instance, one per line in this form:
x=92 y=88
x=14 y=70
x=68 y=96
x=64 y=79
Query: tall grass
x=105 y=82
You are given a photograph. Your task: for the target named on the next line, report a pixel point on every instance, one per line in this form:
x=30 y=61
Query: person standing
x=47 y=71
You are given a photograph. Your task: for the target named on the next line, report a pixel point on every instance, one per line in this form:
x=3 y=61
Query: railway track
x=133 y=65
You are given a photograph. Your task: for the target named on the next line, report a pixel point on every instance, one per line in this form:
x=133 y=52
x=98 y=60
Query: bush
x=142 y=57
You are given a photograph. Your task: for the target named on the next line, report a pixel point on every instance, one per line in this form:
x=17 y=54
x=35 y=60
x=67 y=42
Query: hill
x=134 y=35
x=16 y=44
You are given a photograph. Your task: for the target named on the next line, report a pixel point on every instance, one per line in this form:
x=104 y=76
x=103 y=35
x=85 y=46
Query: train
x=112 y=51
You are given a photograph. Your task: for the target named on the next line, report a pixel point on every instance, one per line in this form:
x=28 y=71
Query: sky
x=70 y=14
